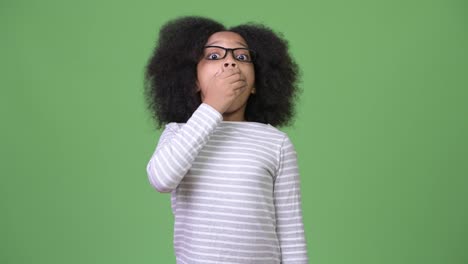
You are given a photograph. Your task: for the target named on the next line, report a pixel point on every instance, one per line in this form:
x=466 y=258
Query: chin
x=236 y=106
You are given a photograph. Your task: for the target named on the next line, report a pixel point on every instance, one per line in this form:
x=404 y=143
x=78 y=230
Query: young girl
x=233 y=176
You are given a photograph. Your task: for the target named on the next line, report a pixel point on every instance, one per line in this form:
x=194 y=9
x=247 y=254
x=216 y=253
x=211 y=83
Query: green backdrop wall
x=381 y=128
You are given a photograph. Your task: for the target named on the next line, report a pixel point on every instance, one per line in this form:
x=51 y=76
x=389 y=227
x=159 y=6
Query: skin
x=226 y=84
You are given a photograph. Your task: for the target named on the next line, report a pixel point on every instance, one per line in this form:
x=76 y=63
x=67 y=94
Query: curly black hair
x=171 y=72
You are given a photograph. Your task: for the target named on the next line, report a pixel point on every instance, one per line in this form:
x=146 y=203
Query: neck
x=234 y=116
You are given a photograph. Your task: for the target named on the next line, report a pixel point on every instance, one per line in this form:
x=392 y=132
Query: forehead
x=226 y=38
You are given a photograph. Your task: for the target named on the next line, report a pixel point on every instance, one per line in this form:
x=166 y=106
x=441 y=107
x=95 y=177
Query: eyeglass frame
x=252 y=53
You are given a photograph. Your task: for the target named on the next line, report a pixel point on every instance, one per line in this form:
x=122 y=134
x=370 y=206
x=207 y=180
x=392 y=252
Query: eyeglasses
x=219 y=53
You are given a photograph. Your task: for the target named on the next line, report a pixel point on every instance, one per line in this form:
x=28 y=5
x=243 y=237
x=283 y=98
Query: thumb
x=219 y=71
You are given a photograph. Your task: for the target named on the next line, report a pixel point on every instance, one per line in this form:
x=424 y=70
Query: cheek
x=250 y=75
x=204 y=73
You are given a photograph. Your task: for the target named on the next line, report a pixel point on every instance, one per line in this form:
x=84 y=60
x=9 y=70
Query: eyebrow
x=240 y=43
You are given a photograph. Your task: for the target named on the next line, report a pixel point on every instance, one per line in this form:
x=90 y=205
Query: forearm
x=176 y=150
x=290 y=230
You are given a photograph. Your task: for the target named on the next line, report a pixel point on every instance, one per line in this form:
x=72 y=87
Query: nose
x=230 y=64
x=229 y=61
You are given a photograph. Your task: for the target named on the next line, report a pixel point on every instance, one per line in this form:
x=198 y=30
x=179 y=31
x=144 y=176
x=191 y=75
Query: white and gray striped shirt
x=234 y=190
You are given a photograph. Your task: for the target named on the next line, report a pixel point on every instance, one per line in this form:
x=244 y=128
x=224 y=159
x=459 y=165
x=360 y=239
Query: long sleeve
x=287 y=198
x=177 y=148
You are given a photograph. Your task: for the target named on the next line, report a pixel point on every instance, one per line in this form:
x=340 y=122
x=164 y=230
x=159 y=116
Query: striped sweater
x=234 y=190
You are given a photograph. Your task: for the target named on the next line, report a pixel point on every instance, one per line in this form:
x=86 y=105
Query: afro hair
x=171 y=72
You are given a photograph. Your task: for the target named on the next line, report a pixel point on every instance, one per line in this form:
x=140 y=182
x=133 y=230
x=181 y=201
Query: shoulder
x=172 y=126
x=280 y=134
x=286 y=145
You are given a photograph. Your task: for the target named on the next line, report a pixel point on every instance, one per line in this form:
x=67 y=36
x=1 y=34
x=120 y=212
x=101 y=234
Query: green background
x=381 y=128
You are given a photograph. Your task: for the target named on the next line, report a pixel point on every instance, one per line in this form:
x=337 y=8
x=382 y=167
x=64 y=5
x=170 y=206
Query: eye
x=243 y=57
x=242 y=54
x=213 y=56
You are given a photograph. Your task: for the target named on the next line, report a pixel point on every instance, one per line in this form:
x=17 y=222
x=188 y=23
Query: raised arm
x=177 y=148
x=287 y=197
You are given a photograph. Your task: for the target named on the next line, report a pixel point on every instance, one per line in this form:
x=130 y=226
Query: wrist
x=211 y=111
x=214 y=106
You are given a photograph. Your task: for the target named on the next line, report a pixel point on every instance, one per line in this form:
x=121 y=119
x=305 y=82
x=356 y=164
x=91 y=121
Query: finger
x=219 y=71
x=239 y=85
x=234 y=78
x=229 y=72
x=239 y=91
